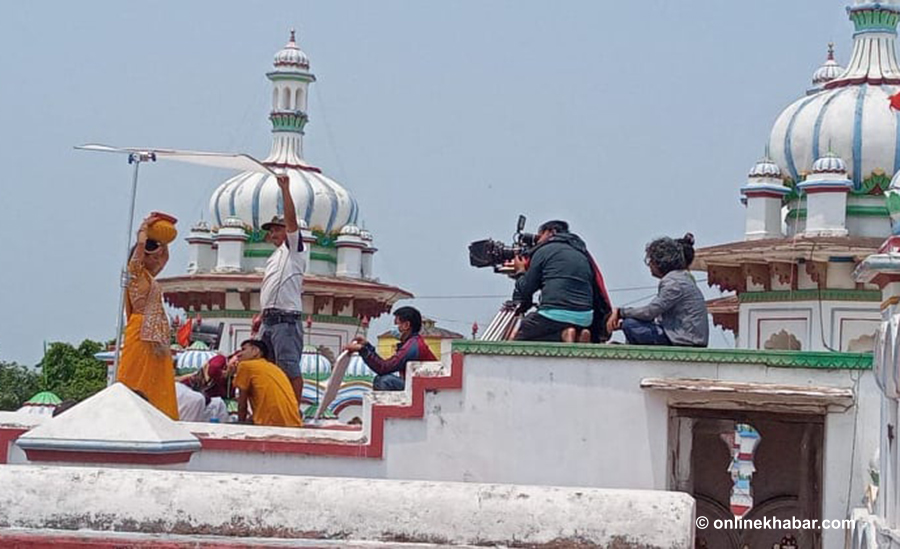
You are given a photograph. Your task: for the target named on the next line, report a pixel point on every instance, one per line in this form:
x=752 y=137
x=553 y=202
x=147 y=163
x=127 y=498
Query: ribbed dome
x=255 y=197
x=765 y=168
x=855 y=120
x=314 y=363
x=830 y=163
x=828 y=71
x=232 y=221
x=351 y=230
x=850 y=115
x=291 y=56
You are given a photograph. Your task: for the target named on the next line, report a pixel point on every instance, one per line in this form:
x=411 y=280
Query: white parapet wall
x=560 y=415
x=270 y=506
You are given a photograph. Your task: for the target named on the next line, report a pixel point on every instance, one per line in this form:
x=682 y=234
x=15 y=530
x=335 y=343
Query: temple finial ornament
x=830 y=51
x=293 y=36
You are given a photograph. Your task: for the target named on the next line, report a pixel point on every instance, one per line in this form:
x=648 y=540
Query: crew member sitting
x=407 y=324
x=573 y=296
x=677 y=315
x=265 y=387
x=201 y=395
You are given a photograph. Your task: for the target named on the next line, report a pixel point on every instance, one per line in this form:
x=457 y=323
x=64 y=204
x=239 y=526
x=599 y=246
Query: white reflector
x=232 y=161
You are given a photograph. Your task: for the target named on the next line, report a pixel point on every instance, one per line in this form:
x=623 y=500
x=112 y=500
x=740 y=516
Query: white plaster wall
x=869 y=226
x=815 y=314
x=233 y=301
x=103 y=499
x=826 y=213
x=840 y=275
x=573 y=422
x=873 y=226
x=319 y=267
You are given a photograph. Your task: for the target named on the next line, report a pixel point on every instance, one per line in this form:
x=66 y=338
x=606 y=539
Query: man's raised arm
x=290 y=211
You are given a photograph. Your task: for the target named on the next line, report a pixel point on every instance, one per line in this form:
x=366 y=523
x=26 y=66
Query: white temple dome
x=830 y=163
x=829 y=70
x=850 y=114
x=291 y=56
x=232 y=221
x=765 y=168
x=322 y=203
x=255 y=198
x=351 y=230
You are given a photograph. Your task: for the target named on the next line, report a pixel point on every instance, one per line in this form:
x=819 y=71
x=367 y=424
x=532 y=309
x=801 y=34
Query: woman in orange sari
x=146 y=363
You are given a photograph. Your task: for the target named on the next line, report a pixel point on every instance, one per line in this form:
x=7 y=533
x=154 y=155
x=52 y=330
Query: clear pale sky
x=445 y=119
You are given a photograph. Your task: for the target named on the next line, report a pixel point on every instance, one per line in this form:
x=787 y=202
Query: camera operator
x=573 y=296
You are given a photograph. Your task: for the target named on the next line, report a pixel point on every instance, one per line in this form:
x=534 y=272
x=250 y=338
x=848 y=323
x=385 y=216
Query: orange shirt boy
x=266 y=388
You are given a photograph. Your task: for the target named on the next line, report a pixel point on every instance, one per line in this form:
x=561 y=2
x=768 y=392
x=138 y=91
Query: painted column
x=763 y=197
x=200 y=243
x=826 y=191
x=368 y=255
x=230 y=241
x=350 y=247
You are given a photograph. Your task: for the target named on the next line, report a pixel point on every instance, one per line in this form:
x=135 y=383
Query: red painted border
x=108 y=457
x=373 y=448
x=822 y=190
x=7 y=436
x=883 y=279
x=892 y=244
x=763 y=194
x=346 y=404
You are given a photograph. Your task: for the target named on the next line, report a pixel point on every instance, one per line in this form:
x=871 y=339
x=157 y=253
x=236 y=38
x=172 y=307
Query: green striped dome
x=44 y=398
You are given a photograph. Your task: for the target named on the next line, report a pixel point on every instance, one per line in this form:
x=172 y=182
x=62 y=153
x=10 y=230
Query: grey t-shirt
x=680 y=309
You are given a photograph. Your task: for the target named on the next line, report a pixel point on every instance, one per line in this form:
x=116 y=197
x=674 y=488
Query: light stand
x=133 y=158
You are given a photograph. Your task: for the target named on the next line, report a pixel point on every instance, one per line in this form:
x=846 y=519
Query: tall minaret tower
x=290 y=85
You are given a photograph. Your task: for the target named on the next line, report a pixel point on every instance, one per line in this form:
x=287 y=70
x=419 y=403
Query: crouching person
x=677 y=315
x=201 y=395
x=265 y=388
x=412 y=347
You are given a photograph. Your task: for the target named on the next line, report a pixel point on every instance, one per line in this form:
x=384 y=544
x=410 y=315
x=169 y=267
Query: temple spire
x=874 y=57
x=290 y=84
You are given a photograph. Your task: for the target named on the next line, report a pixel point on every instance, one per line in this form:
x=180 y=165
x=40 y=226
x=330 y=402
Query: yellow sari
x=146 y=362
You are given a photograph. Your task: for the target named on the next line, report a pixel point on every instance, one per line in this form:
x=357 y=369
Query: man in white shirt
x=280 y=293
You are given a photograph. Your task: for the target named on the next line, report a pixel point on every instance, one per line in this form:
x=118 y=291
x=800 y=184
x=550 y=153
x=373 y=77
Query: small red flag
x=895 y=101
x=184 y=333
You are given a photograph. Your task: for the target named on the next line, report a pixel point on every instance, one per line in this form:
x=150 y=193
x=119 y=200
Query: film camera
x=497 y=254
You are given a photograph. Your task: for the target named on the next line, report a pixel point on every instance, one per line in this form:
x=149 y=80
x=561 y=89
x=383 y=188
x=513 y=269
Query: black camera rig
x=497 y=254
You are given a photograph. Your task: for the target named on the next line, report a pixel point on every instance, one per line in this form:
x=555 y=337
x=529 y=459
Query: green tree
x=17 y=384
x=73 y=372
